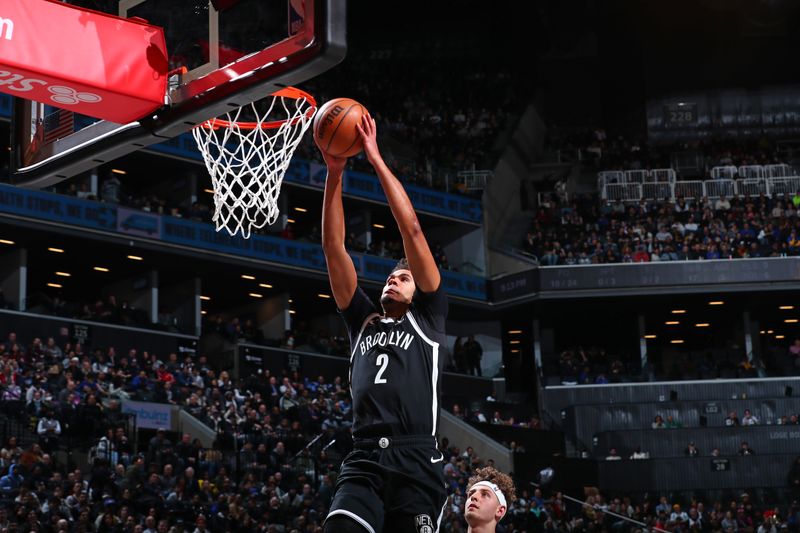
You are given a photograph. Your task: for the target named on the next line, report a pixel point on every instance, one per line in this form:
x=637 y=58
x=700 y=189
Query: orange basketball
x=335 y=127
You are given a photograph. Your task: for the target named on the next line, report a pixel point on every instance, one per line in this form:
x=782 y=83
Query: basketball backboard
x=222 y=54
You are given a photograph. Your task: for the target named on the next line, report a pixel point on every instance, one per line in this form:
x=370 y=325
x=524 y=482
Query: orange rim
x=286 y=92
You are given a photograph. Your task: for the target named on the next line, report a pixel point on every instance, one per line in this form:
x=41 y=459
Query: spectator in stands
x=474 y=353
x=479 y=417
x=729 y=522
x=722 y=204
x=732 y=419
x=639 y=454
x=678 y=517
x=613 y=455
x=745 y=449
x=749 y=419
x=459 y=356
x=715 y=452
x=658 y=423
x=109 y=190
x=691 y=450
x=671 y=423
x=49 y=431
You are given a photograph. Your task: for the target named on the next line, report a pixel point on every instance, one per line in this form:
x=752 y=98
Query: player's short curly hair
x=492 y=475
x=401 y=265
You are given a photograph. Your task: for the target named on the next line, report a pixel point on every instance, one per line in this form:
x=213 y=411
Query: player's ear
x=500 y=512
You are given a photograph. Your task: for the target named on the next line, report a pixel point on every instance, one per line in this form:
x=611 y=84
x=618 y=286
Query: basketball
x=335 y=127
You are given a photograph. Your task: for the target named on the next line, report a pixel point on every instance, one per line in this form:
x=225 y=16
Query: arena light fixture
x=56 y=250
x=136 y=258
x=515 y=332
x=678 y=311
x=770 y=332
x=301 y=209
x=780 y=337
x=322 y=295
x=255 y=295
x=514 y=351
x=292 y=311
x=64 y=274
x=290 y=220
x=672 y=322
x=119 y=171
x=6 y=241
x=55 y=285
x=204 y=312
x=676 y=341
x=209 y=191
x=514 y=342
x=702 y=325
x=265 y=285
x=379 y=226
x=205 y=298
x=786 y=307
x=649 y=336
x=763 y=331
x=791 y=321
x=101 y=269
x=291 y=301
x=716 y=302
x=248 y=276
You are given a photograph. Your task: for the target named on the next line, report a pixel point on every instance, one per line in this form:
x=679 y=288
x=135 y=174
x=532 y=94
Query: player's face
x=482 y=507
x=399 y=287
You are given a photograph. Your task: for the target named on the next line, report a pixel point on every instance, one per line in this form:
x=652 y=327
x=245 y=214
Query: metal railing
x=656 y=175
x=472 y=180
x=695 y=190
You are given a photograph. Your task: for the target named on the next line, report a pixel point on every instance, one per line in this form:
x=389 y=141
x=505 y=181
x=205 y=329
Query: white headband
x=497 y=492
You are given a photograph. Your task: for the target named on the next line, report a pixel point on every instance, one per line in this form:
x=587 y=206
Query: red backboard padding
x=85 y=61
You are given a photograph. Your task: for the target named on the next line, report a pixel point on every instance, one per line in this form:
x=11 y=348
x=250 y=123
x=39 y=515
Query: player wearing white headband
x=488 y=496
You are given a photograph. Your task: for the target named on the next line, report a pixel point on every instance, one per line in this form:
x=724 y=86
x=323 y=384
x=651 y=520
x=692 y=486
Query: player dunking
x=489 y=492
x=392 y=482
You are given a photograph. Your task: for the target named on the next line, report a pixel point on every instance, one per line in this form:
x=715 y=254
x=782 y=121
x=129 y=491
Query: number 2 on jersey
x=382 y=361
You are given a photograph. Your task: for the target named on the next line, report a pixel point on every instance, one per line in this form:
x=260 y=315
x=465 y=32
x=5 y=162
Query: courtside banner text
x=114 y=220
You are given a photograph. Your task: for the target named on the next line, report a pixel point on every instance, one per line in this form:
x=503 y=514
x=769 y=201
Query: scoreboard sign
x=678 y=115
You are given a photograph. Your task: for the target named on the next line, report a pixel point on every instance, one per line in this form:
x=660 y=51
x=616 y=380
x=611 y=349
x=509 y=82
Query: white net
x=247 y=160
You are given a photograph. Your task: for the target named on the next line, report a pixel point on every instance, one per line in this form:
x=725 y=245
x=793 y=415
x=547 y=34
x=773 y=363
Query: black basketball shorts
x=392 y=485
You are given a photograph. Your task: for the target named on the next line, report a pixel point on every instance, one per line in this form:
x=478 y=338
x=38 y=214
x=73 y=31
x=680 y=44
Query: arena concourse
x=611 y=192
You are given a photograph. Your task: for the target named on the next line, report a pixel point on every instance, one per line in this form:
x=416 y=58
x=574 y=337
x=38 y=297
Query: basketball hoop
x=248 y=159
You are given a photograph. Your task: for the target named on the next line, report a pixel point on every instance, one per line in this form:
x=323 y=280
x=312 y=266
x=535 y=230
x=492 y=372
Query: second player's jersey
x=395 y=365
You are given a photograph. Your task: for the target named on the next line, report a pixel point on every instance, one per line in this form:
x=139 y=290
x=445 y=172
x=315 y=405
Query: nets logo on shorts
x=423 y=523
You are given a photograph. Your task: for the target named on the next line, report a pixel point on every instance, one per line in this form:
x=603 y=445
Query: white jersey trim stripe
x=439 y=520
x=434 y=370
x=361 y=332
x=355 y=344
x=419 y=330
x=354 y=517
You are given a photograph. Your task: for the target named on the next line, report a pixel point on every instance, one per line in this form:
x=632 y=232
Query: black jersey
x=395 y=365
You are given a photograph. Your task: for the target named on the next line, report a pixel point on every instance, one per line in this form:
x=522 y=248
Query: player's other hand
x=335 y=164
x=369 y=136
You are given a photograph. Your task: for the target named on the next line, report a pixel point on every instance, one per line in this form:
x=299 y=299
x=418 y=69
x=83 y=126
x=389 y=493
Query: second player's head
x=399 y=289
x=489 y=494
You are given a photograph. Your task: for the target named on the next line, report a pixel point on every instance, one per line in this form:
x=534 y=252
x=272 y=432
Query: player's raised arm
x=419 y=256
x=341 y=272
